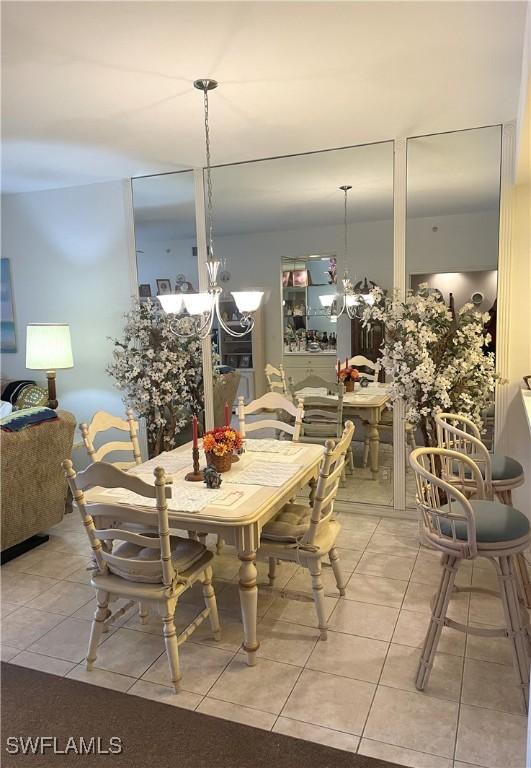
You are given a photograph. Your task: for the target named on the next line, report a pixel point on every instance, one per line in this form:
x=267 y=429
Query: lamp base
x=52 y=393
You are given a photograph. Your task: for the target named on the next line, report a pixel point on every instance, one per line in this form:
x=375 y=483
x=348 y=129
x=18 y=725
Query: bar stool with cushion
x=102 y=422
x=463 y=529
x=152 y=569
x=501 y=474
x=305 y=534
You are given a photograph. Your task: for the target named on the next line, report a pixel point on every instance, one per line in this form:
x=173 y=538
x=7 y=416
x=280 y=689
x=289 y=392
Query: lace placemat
x=187 y=499
x=259 y=472
x=283 y=447
x=170 y=462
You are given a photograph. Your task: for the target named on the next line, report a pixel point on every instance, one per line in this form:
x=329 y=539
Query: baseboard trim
x=24 y=546
x=374 y=510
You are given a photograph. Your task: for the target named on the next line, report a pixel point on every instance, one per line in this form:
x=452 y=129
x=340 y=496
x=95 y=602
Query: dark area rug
x=153 y=735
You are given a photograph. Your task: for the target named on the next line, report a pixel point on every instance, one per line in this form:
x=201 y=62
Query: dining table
x=368 y=404
x=265 y=477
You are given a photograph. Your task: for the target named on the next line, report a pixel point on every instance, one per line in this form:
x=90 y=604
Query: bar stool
x=501 y=474
x=461 y=529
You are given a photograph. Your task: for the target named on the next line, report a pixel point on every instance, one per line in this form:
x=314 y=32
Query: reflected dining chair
x=464 y=529
x=305 y=534
x=501 y=474
x=102 y=422
x=150 y=569
x=271 y=401
x=323 y=420
x=276 y=379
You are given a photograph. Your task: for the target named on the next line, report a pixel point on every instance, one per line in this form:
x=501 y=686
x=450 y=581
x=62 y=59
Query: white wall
x=165 y=259
x=69 y=251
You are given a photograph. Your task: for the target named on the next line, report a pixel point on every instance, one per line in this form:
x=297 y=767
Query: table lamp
x=48 y=348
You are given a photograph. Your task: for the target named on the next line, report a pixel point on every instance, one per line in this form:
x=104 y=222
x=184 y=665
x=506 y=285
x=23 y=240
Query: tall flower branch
x=434 y=359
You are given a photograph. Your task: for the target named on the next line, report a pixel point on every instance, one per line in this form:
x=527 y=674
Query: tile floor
x=354 y=692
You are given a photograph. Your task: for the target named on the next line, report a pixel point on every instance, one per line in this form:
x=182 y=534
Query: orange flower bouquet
x=219 y=444
x=349 y=376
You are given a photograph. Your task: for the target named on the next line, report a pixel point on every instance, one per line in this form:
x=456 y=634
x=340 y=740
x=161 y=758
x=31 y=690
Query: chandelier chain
x=210 y=254
x=346 y=228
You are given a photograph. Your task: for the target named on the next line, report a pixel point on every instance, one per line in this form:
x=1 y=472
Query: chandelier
x=202 y=309
x=354 y=298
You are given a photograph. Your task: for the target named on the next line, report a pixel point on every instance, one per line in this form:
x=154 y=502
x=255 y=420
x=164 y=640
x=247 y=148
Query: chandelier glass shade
x=353 y=300
x=202 y=309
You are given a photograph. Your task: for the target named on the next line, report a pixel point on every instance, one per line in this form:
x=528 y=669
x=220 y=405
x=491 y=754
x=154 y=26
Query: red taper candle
x=227 y=417
x=194 y=430
x=338 y=367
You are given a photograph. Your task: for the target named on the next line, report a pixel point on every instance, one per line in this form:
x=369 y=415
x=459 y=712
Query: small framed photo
x=144 y=290
x=232 y=361
x=245 y=361
x=163 y=286
x=300 y=278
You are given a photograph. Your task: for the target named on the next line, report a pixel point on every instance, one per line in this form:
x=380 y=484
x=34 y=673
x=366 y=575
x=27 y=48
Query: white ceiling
x=103 y=90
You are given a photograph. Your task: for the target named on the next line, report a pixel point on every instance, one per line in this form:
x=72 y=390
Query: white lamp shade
x=352 y=299
x=48 y=347
x=247 y=301
x=327 y=300
x=172 y=303
x=197 y=303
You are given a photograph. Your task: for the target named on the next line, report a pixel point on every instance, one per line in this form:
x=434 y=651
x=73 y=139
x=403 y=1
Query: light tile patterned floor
x=355 y=691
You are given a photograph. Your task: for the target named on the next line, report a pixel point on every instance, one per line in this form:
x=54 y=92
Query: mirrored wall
x=453 y=202
x=279 y=226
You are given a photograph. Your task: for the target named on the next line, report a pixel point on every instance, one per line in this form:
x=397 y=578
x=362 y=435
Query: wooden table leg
x=249 y=603
x=374 y=443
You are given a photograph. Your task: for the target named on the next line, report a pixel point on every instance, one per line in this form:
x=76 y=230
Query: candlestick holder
x=196 y=476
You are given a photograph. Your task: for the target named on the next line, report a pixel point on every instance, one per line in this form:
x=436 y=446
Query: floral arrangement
x=222 y=441
x=435 y=358
x=349 y=374
x=159 y=375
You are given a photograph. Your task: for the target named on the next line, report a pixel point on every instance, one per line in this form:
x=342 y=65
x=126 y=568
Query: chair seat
x=503 y=468
x=145 y=564
x=495 y=522
x=290 y=524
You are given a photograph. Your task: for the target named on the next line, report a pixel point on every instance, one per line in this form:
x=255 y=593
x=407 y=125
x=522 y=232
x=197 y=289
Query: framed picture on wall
x=8 y=337
x=144 y=290
x=245 y=361
x=163 y=286
x=300 y=278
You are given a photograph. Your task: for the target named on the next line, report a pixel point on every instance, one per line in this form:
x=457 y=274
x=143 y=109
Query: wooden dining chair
x=276 y=379
x=148 y=569
x=323 y=420
x=305 y=533
x=317 y=383
x=102 y=422
x=372 y=369
x=501 y=474
x=464 y=529
x=271 y=401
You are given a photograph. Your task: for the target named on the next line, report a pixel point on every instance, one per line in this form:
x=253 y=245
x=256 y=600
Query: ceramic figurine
x=364 y=382
x=212 y=478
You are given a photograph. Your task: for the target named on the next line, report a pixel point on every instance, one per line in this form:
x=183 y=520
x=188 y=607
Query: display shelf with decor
x=306 y=325
x=245 y=354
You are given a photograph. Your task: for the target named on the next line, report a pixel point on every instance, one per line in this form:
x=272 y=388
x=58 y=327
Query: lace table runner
x=260 y=472
x=284 y=447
